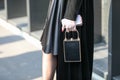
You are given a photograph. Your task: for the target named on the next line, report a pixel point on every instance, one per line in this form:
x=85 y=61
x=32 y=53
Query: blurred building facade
x=29 y=16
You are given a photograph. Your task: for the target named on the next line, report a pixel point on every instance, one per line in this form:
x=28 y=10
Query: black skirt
x=50 y=39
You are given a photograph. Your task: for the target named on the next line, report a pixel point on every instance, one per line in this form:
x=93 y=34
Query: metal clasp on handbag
x=72 y=49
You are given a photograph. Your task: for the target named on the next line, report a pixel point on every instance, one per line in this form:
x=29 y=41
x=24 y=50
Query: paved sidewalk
x=19 y=59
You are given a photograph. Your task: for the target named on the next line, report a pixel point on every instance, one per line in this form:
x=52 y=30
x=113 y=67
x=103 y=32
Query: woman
x=61 y=16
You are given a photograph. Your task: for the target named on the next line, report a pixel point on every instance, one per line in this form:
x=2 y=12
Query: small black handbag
x=72 y=49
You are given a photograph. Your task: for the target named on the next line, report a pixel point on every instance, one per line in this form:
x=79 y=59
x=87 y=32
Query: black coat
x=52 y=38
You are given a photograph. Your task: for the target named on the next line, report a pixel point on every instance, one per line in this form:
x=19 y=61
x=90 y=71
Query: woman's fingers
x=63 y=27
x=69 y=25
x=74 y=29
x=68 y=28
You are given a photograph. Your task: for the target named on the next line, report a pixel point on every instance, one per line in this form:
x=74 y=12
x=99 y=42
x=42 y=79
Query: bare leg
x=49 y=63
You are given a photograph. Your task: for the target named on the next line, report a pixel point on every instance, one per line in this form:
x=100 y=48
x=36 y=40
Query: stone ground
x=21 y=58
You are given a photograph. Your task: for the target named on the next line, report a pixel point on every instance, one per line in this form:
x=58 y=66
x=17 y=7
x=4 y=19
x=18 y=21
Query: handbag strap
x=72 y=38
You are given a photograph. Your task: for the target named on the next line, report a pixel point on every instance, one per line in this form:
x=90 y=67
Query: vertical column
x=97 y=21
x=115 y=41
x=1 y=4
x=110 y=42
x=16 y=13
x=38 y=11
x=105 y=18
x=16 y=8
x=2 y=9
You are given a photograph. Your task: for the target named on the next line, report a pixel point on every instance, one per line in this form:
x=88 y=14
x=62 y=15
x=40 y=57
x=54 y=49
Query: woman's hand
x=69 y=25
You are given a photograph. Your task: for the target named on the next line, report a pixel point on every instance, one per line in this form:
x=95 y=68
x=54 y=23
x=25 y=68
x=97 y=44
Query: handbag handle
x=72 y=37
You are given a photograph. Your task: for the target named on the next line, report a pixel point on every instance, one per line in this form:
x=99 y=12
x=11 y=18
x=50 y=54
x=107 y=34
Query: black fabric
x=52 y=38
x=52 y=29
x=72 y=9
